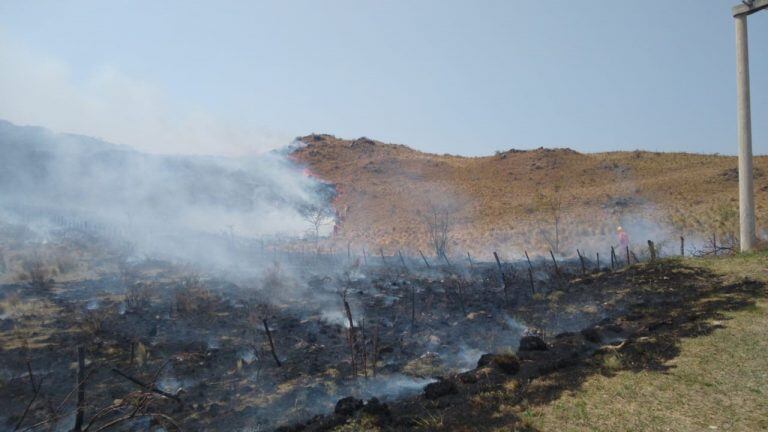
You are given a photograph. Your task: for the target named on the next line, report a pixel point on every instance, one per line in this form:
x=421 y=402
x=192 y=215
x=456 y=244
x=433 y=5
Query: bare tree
x=550 y=202
x=439 y=220
x=318 y=217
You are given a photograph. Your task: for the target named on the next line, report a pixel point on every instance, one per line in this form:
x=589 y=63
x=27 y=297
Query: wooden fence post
x=80 y=389
x=271 y=342
x=503 y=278
x=598 y=261
x=652 y=250
x=424 y=258
x=402 y=261
x=554 y=261
x=530 y=272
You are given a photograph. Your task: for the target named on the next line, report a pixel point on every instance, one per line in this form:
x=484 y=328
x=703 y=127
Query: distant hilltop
x=385 y=188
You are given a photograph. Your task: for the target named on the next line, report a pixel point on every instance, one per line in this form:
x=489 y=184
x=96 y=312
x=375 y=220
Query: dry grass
x=32 y=316
x=193 y=299
x=138 y=295
x=384 y=189
x=718 y=382
x=38 y=274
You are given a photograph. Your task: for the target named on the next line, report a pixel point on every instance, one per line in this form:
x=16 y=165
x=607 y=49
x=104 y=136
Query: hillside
x=385 y=189
x=54 y=175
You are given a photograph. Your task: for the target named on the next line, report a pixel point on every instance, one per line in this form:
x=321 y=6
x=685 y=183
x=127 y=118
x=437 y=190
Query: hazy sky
x=470 y=77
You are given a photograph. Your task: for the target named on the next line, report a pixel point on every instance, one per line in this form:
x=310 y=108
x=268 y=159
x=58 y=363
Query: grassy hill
x=500 y=201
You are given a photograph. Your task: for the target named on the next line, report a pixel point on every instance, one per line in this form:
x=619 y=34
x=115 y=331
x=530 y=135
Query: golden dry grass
x=383 y=190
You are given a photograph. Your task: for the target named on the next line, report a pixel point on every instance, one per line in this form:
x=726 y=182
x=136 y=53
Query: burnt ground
x=198 y=343
x=669 y=301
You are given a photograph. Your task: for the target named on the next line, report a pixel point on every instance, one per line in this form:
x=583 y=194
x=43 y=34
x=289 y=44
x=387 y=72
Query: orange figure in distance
x=623 y=237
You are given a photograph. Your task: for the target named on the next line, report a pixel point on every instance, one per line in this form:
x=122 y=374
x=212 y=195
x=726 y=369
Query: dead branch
x=31 y=377
x=424 y=258
x=402 y=260
x=271 y=342
x=144 y=385
x=554 y=261
x=49 y=420
x=503 y=278
x=80 y=388
x=74 y=389
x=29 y=405
x=351 y=339
x=375 y=349
x=530 y=272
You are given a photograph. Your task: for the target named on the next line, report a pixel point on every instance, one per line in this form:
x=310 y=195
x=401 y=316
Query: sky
x=460 y=77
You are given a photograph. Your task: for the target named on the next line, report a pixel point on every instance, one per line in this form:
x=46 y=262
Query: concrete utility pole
x=746 y=188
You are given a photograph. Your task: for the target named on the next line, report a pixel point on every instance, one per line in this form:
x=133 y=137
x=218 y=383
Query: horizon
x=298 y=138
x=241 y=79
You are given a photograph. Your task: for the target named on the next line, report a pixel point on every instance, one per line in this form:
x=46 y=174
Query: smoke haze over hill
x=62 y=176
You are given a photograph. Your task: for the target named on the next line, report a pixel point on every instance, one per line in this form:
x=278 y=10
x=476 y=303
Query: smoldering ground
x=279 y=342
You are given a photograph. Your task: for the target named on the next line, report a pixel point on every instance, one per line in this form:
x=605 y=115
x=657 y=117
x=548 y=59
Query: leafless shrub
x=92 y=322
x=438 y=220
x=193 y=298
x=37 y=274
x=724 y=227
x=138 y=295
x=550 y=203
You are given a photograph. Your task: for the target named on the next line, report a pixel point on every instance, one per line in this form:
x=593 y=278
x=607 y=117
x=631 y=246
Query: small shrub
x=140 y=354
x=612 y=362
x=92 y=322
x=37 y=274
x=191 y=297
x=426 y=366
x=506 y=362
x=138 y=296
x=429 y=422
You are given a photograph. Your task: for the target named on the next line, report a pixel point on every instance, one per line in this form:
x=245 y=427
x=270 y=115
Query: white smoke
x=178 y=206
x=110 y=104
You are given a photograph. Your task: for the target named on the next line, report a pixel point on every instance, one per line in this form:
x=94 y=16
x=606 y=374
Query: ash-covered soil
x=169 y=346
x=666 y=301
